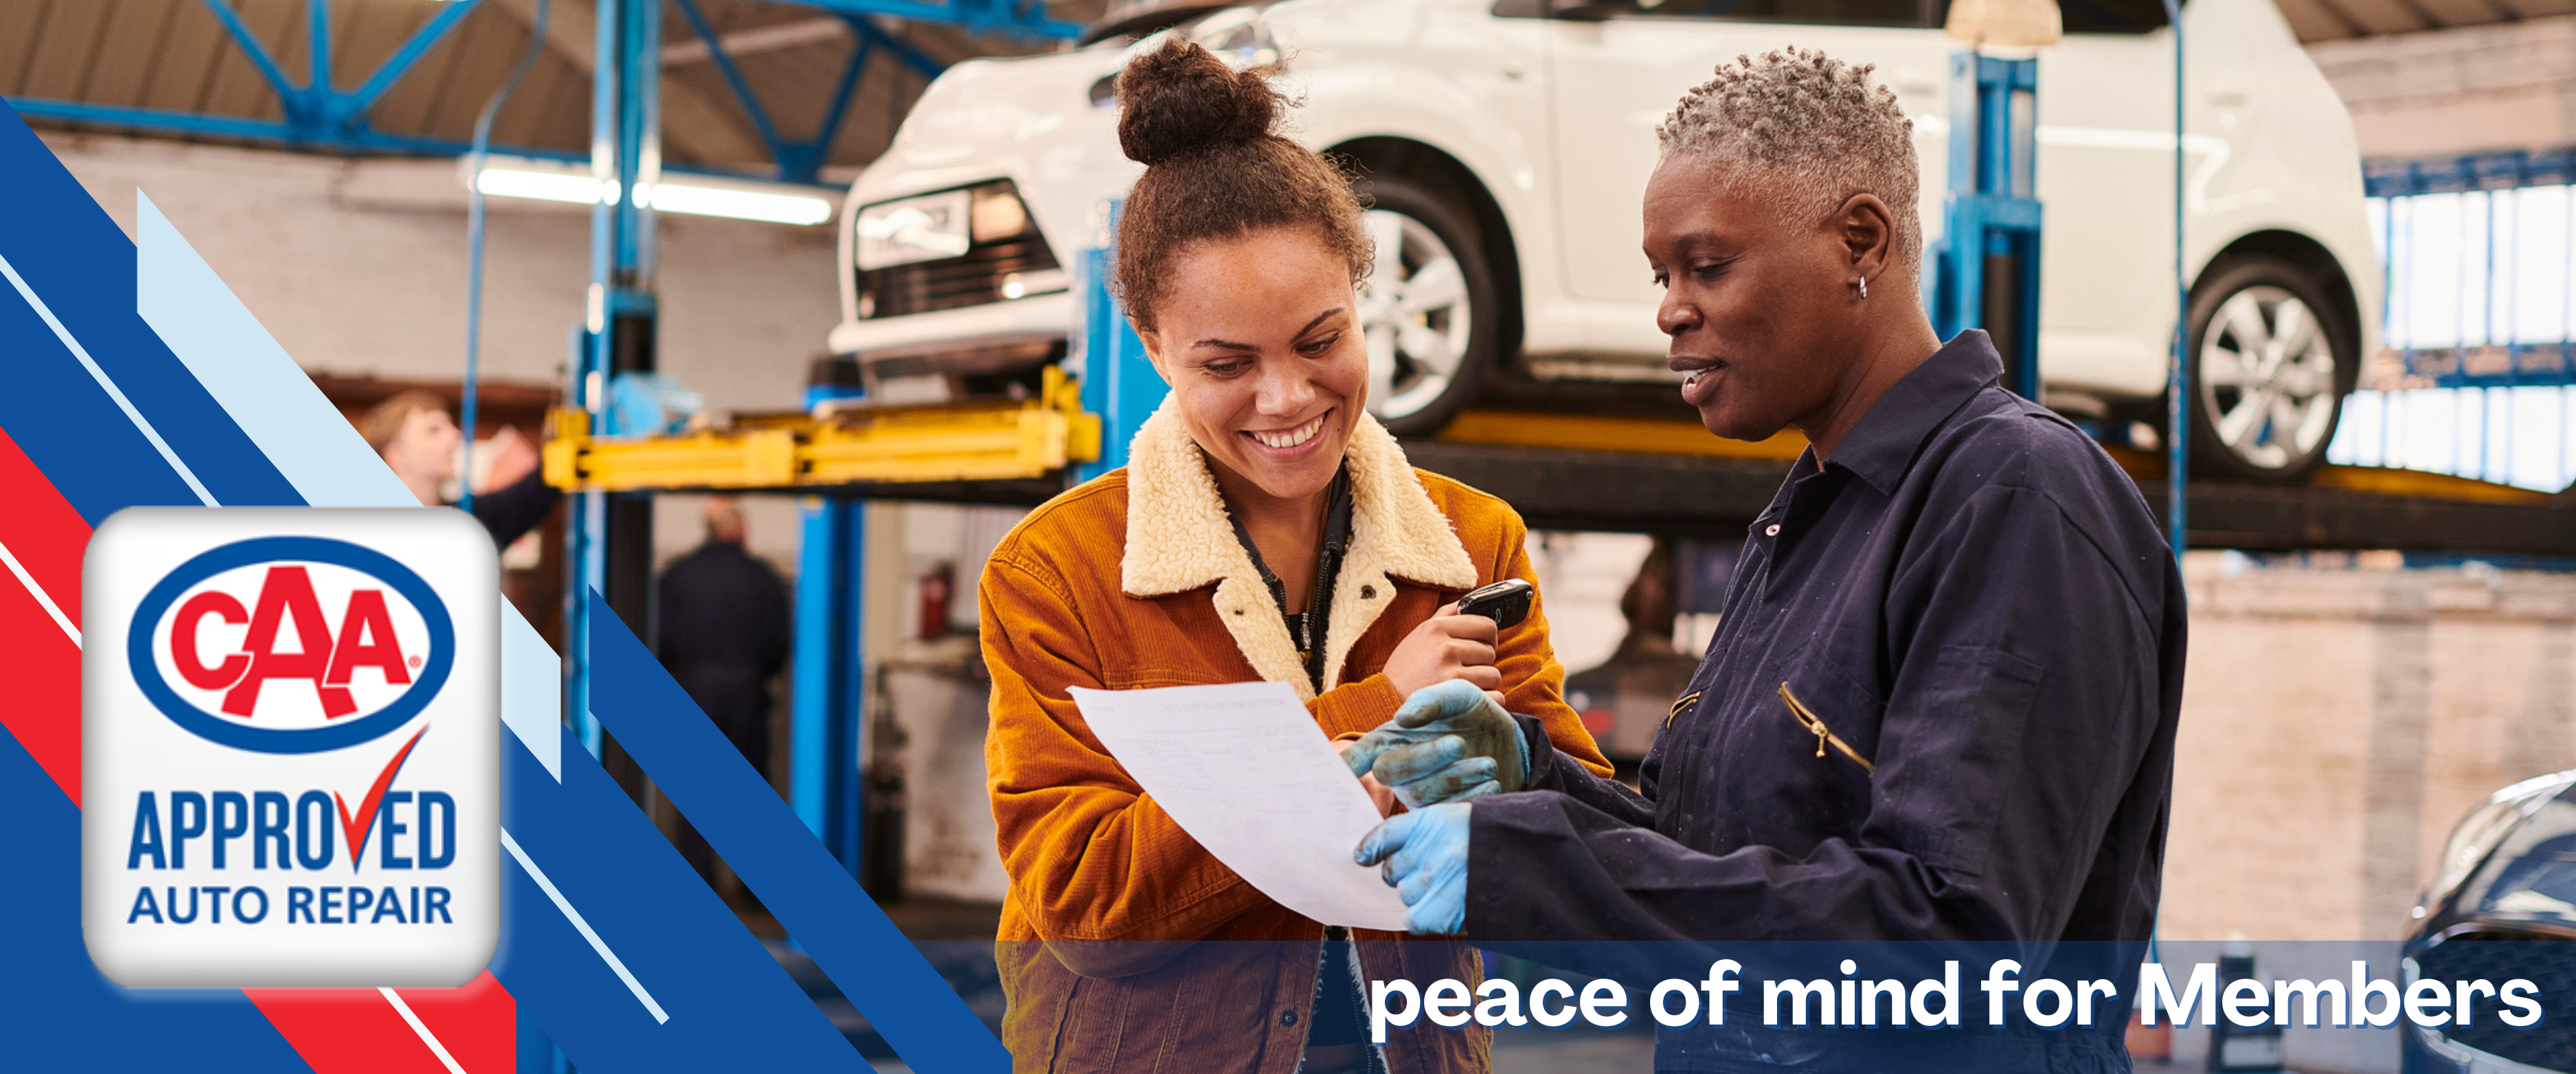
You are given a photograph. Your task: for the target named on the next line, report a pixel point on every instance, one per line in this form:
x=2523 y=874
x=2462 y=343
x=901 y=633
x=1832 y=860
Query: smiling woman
x=1268 y=528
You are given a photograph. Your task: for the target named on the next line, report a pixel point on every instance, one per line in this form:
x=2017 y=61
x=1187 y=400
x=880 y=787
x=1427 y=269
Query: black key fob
x=1505 y=602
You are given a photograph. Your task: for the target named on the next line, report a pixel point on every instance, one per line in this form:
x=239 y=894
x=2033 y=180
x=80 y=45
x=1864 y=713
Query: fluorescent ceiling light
x=779 y=204
x=539 y=186
x=670 y=197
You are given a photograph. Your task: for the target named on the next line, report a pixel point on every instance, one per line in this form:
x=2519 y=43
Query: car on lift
x=2502 y=906
x=1504 y=147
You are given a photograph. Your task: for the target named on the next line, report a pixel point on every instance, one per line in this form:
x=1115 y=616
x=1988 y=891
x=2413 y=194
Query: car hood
x=1029 y=119
x=2531 y=875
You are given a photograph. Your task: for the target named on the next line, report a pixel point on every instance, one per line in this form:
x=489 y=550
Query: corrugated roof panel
x=405 y=108
x=64 y=48
x=363 y=35
x=130 y=44
x=534 y=116
x=235 y=87
x=19 y=25
x=175 y=56
x=2315 y=20
x=181 y=65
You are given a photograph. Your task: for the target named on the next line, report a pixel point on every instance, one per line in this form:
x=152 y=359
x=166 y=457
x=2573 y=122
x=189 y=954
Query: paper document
x=1246 y=772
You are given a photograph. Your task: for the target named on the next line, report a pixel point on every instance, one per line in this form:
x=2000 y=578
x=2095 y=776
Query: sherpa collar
x=1180 y=537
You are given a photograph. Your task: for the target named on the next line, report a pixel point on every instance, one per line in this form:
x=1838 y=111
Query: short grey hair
x=1811 y=131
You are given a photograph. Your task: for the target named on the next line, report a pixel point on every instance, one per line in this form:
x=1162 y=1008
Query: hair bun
x=1180 y=99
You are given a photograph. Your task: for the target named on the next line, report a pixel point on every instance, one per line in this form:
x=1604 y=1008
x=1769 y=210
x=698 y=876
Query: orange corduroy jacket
x=1124 y=946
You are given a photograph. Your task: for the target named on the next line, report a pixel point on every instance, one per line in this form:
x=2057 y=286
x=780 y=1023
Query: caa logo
x=290 y=645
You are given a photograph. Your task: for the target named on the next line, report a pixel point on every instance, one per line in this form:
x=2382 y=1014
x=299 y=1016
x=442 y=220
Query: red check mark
x=350 y=826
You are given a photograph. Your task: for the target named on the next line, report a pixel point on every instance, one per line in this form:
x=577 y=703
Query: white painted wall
x=359 y=268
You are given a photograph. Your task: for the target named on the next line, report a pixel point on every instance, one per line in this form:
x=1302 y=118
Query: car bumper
x=1037 y=319
x=2434 y=1052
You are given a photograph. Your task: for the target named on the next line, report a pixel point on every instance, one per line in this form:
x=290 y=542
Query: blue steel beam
x=319 y=12
x=912 y=57
x=320 y=116
x=154 y=120
x=820 y=149
x=1024 y=20
x=751 y=105
x=251 y=48
x=404 y=58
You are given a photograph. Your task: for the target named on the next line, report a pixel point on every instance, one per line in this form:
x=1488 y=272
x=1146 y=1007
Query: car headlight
x=1238 y=36
x=2477 y=835
x=925 y=228
x=928 y=227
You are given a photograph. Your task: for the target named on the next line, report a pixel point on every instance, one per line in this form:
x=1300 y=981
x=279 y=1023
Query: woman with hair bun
x=1265 y=528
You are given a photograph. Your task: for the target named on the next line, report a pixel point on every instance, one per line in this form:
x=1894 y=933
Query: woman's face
x=1259 y=338
x=1761 y=316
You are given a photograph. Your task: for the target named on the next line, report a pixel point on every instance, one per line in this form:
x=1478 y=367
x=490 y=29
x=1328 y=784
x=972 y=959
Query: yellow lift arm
x=958 y=442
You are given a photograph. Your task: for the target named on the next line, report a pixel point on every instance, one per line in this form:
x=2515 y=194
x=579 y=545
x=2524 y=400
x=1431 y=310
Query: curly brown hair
x=1216 y=167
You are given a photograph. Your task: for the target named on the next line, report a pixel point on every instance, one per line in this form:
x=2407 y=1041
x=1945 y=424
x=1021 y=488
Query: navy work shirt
x=1969 y=595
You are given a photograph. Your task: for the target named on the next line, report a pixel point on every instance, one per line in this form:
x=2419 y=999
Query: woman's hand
x=1444 y=647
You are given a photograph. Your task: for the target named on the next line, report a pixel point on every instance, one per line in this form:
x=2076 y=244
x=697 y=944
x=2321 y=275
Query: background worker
x=722 y=630
x=413 y=433
x=1940 y=703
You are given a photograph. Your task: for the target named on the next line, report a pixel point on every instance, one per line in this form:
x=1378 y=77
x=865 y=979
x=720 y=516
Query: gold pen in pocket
x=1678 y=706
x=1808 y=719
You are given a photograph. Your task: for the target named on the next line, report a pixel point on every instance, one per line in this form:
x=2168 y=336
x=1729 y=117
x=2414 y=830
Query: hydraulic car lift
x=1561 y=471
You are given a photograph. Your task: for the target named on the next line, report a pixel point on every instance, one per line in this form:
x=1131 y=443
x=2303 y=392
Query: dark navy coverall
x=1973 y=597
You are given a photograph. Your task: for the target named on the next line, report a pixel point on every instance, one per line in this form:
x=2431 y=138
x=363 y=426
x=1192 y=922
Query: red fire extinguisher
x=936 y=588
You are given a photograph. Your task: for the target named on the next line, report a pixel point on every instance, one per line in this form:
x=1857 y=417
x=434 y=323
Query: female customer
x=1265 y=528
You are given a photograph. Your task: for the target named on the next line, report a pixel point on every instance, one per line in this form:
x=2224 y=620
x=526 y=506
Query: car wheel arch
x=1419 y=161
x=2311 y=257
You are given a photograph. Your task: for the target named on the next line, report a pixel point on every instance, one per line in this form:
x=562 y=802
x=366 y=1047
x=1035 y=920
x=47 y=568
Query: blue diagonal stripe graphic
x=812 y=896
x=729 y=1004
x=73 y=257
x=61 y=1014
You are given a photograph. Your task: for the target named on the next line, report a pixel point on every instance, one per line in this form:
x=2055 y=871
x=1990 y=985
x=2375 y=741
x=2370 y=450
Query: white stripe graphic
x=304 y=436
x=38 y=592
x=100 y=375
x=578 y=923
x=426 y=1037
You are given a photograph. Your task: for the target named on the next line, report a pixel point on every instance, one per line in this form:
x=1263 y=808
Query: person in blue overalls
x=1940 y=703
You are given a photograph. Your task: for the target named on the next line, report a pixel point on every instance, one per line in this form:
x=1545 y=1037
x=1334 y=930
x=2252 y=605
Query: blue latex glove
x=1425 y=860
x=1447 y=743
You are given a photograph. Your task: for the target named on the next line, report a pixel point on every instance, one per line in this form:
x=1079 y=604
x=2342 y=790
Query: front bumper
x=2437 y=1053
x=993 y=328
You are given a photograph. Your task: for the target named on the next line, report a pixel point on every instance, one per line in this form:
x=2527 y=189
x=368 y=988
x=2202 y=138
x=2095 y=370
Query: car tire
x=2270 y=360
x=1430 y=310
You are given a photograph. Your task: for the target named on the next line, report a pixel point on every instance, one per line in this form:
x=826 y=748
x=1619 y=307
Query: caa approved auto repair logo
x=290 y=747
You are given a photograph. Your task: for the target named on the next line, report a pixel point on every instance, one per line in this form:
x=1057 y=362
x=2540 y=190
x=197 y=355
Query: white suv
x=1506 y=145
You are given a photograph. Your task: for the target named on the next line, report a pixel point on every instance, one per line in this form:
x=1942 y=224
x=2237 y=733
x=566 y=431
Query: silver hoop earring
x=1861 y=286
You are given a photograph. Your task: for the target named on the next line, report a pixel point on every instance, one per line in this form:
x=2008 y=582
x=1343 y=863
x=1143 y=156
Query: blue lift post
x=1118 y=381
x=1988 y=273
x=2177 y=378
x=609 y=537
x=828 y=716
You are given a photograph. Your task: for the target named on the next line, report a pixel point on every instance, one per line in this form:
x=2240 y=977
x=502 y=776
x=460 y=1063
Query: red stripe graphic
x=336 y=1031
x=355 y=1031
x=46 y=537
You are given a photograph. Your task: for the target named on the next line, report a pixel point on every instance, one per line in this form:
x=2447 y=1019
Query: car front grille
x=979 y=277
x=2498 y=957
